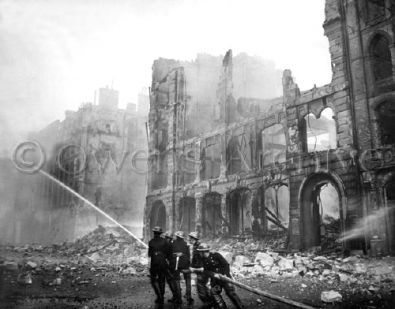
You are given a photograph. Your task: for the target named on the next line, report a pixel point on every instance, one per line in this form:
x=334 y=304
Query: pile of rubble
x=249 y=258
x=248 y=245
x=102 y=252
x=352 y=269
x=358 y=274
x=106 y=246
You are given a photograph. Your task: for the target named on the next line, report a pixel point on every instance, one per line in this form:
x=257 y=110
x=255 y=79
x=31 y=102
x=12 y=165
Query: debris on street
x=107 y=254
x=331 y=296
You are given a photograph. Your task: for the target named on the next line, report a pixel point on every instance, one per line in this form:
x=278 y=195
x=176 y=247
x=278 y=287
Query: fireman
x=169 y=274
x=159 y=252
x=168 y=236
x=197 y=262
x=216 y=263
x=179 y=263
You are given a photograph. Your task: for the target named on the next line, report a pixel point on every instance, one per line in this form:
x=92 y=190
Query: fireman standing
x=216 y=263
x=169 y=274
x=179 y=263
x=159 y=252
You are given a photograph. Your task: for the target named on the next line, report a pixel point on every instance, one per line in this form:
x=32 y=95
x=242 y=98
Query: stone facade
x=261 y=163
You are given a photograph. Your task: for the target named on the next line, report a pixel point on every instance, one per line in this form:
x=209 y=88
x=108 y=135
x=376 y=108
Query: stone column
x=199 y=212
x=392 y=50
x=198 y=162
x=224 y=227
x=223 y=157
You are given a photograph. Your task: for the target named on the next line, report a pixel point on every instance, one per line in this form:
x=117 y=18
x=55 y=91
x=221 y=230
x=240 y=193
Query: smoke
x=252 y=77
x=54 y=54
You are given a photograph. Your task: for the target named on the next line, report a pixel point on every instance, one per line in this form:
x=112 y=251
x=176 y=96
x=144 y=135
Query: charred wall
x=330 y=148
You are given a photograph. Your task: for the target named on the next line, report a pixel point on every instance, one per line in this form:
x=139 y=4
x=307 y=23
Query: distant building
x=95 y=151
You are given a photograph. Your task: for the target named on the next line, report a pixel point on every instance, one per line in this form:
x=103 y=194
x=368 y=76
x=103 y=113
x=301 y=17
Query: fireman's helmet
x=179 y=234
x=167 y=234
x=157 y=229
x=194 y=235
x=203 y=247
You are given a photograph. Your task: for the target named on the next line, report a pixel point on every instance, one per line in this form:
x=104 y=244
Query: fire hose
x=255 y=291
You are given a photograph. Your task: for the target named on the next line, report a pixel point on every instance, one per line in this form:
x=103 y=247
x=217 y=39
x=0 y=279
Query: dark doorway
x=390 y=214
x=187 y=214
x=158 y=215
x=211 y=216
x=320 y=212
x=240 y=212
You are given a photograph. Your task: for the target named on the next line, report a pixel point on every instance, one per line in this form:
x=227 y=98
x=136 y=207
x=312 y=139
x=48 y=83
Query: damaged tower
x=229 y=156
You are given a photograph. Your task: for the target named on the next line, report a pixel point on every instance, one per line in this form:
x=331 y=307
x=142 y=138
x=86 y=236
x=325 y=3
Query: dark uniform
x=159 y=252
x=201 y=278
x=180 y=249
x=216 y=263
x=169 y=274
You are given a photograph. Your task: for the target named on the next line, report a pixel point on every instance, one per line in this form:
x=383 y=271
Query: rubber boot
x=162 y=289
x=177 y=289
x=188 y=289
x=170 y=283
x=216 y=297
x=159 y=296
x=230 y=291
x=173 y=288
x=236 y=300
x=219 y=302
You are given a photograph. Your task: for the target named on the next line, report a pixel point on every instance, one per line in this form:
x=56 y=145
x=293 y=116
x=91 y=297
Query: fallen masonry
x=110 y=254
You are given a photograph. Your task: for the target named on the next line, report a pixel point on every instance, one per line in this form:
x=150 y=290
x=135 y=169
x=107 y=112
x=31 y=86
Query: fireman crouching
x=214 y=262
x=197 y=262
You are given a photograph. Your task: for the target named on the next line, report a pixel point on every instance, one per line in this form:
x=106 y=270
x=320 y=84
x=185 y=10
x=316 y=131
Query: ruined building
x=318 y=164
x=98 y=151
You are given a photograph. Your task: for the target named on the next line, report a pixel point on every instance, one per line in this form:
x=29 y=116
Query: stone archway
x=321 y=209
x=158 y=215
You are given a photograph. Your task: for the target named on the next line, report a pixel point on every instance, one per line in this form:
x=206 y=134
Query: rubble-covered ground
x=108 y=269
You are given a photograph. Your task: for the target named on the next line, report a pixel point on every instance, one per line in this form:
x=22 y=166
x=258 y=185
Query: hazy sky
x=55 y=53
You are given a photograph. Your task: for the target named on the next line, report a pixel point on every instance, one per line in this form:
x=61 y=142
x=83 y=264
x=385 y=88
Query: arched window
x=320 y=132
x=380 y=55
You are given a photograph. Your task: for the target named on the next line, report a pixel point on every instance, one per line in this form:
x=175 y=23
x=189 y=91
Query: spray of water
x=93 y=206
x=365 y=225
